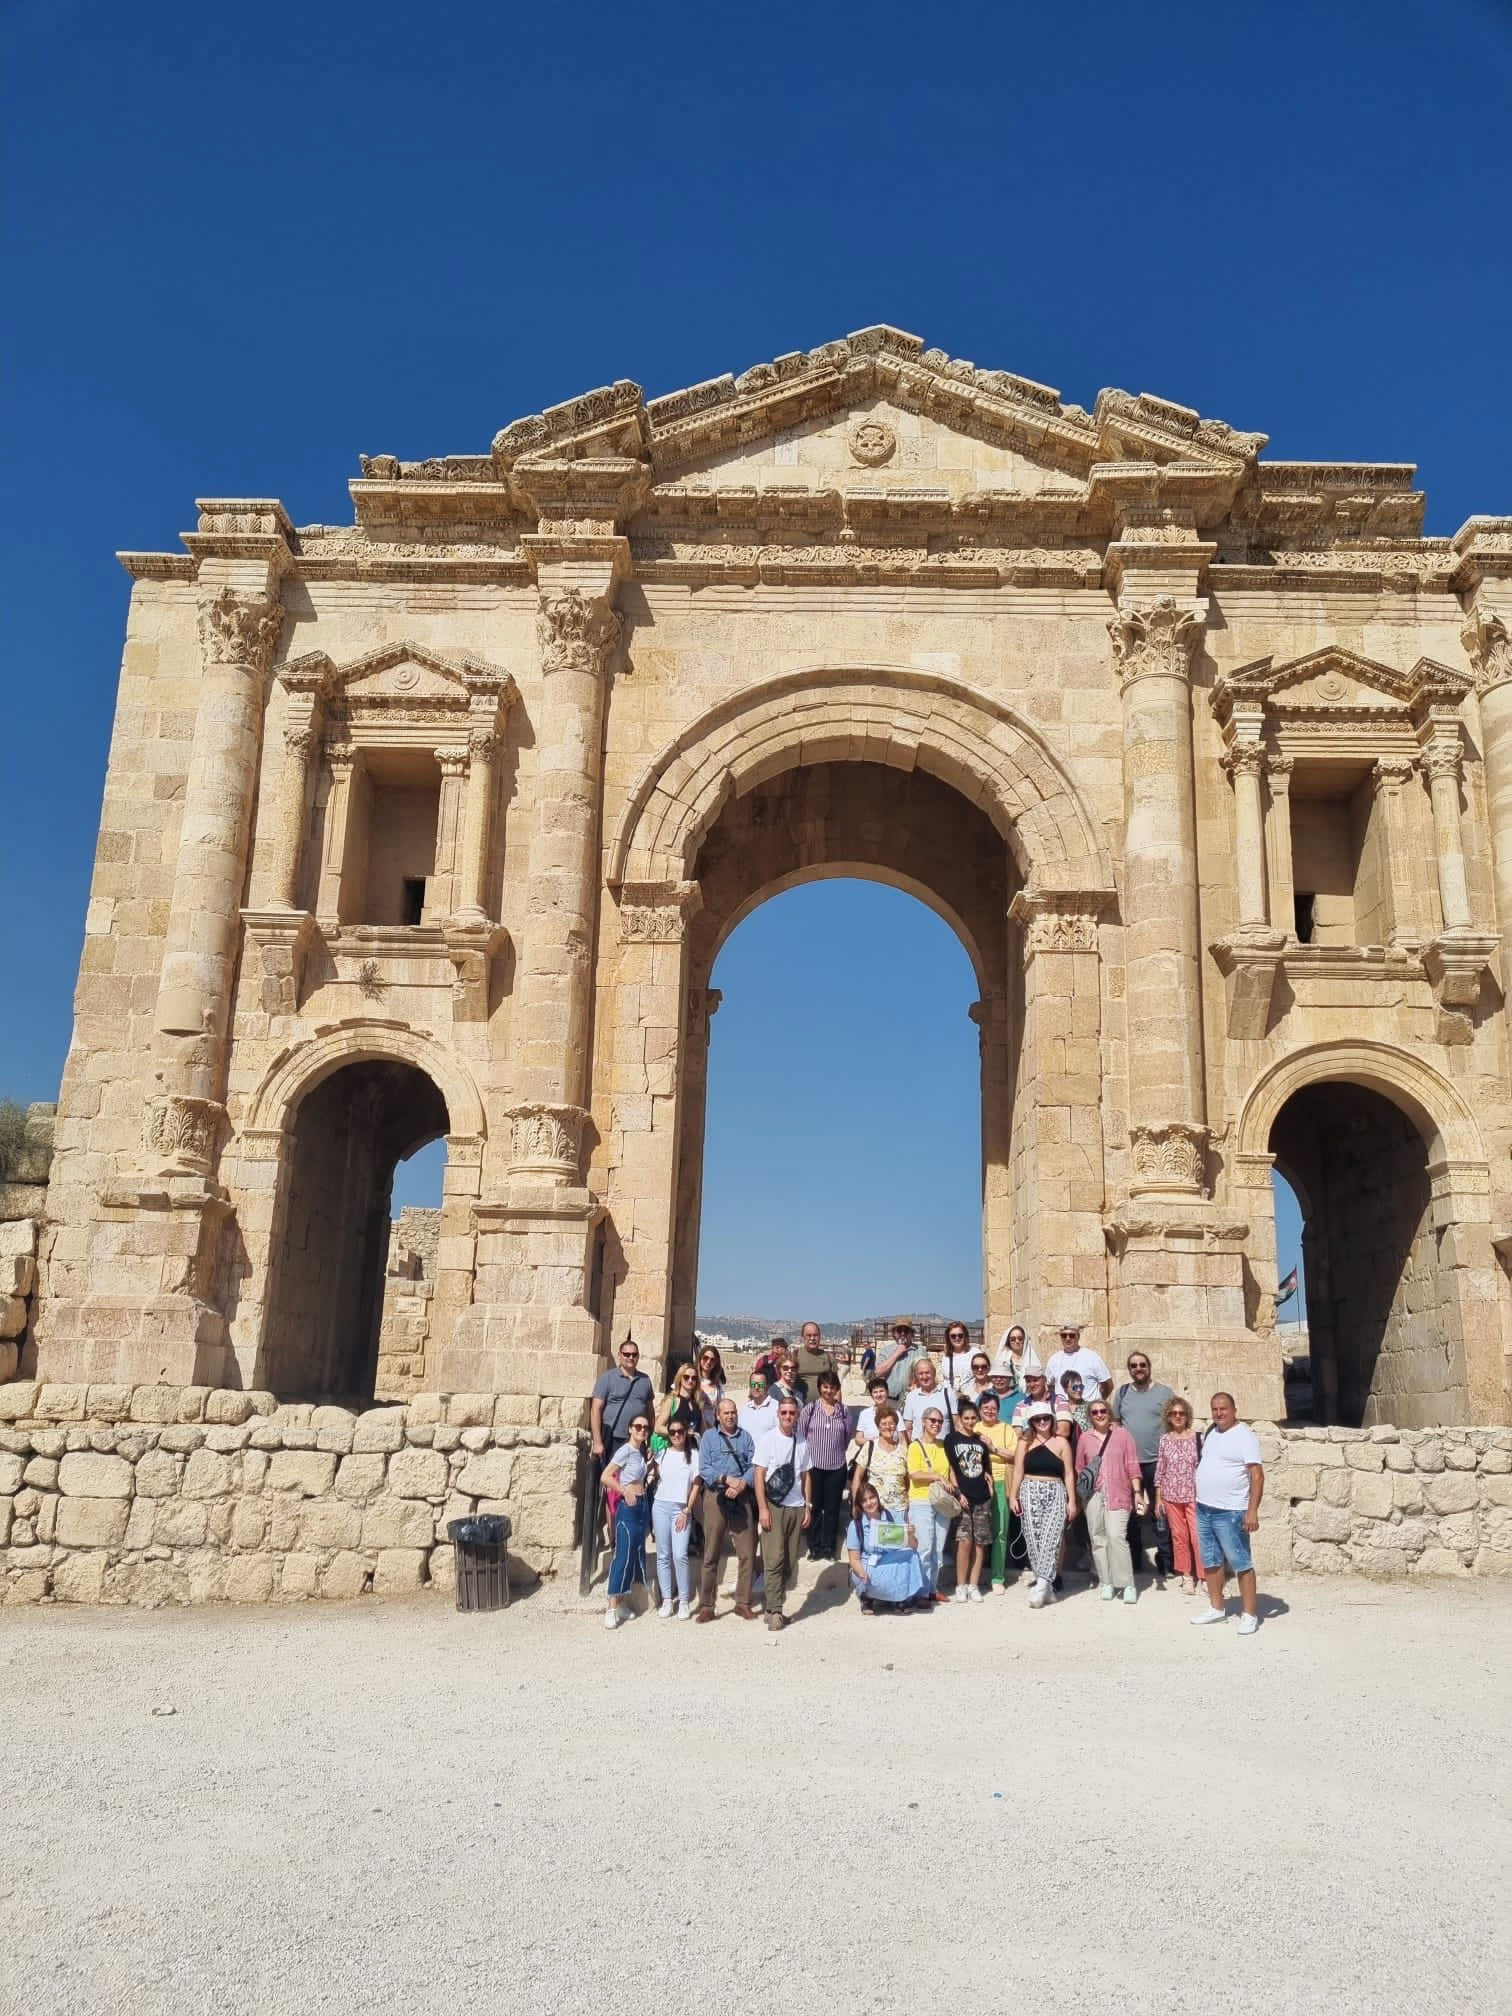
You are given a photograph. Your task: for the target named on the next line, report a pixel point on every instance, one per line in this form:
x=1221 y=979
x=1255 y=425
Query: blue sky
x=242 y=245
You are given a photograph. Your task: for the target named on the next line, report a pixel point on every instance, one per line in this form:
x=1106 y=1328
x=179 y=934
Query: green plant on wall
x=12 y=1137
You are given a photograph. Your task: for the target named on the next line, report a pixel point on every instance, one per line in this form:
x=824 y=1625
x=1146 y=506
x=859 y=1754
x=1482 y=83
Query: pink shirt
x=1120 y=1466
x=1176 y=1469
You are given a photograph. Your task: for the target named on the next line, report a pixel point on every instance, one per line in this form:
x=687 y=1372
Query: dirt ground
x=395 y=1807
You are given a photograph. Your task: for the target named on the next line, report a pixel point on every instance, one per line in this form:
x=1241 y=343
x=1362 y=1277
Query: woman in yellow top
x=1001 y=1438
x=929 y=1484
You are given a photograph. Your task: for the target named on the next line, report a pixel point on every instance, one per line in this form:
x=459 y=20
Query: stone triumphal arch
x=431 y=826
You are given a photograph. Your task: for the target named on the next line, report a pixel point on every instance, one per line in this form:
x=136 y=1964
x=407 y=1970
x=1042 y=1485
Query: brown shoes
x=745 y=1610
x=775 y=1620
x=704 y=1617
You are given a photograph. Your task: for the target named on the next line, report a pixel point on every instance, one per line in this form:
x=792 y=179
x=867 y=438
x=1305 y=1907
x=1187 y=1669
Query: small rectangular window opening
x=414 y=899
x=1303 y=906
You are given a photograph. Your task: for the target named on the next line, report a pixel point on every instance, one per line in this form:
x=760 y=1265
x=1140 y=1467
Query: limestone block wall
x=156 y=1495
x=23 y=1201
x=409 y=1287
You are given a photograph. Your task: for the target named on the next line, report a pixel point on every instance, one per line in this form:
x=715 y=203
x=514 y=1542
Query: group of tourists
x=967 y=1469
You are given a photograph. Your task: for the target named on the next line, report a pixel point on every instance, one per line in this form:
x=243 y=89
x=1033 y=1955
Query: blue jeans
x=931 y=1529
x=1222 y=1540
x=629 y=1564
x=672 y=1549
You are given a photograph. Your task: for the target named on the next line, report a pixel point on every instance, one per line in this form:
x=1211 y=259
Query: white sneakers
x=973 y=1592
x=613 y=1618
x=669 y=1607
x=1209 y=1616
x=1038 y=1593
x=684 y=1612
x=962 y=1595
x=1248 y=1625
x=1108 y=1592
x=1131 y=1594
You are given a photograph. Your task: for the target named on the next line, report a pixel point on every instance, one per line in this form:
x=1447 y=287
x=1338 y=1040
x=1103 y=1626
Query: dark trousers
x=728 y=1522
x=1141 y=1530
x=829 y=1498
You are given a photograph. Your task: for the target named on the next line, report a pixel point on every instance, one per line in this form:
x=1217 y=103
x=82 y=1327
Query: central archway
x=900 y=775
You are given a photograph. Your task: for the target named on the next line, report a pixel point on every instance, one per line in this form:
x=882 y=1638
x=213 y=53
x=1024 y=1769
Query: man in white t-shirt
x=783 y=1514
x=1230 y=1485
x=1074 y=1356
x=758 y=1411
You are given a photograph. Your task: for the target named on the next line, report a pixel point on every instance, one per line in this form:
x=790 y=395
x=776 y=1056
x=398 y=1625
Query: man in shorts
x=1230 y=1485
x=971 y=1466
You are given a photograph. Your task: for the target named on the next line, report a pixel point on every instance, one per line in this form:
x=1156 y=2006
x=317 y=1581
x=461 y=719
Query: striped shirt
x=827 y=1432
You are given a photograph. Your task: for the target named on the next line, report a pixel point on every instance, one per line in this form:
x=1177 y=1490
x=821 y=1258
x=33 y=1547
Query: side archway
x=896 y=716
x=1385 y=1157
x=295 y=1073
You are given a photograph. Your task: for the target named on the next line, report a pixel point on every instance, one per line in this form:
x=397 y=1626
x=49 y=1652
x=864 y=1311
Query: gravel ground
x=394 y=1807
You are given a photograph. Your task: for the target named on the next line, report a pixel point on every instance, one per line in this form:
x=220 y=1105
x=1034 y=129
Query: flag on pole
x=1287 y=1289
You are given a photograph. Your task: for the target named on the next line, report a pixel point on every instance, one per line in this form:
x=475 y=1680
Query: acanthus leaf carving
x=657 y=913
x=1488 y=646
x=547 y=1139
x=1157 y=638
x=239 y=629
x=576 y=631
x=182 y=1133
x=1169 y=1156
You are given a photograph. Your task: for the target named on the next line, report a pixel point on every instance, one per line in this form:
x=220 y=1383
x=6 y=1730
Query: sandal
x=868 y=1608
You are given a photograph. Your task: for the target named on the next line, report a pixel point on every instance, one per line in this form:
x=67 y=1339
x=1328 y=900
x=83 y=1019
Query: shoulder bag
x=1087 y=1476
x=781 y=1480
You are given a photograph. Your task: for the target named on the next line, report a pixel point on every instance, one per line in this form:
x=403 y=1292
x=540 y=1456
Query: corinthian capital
x=1158 y=638
x=1488 y=646
x=239 y=629
x=577 y=632
x=1245 y=759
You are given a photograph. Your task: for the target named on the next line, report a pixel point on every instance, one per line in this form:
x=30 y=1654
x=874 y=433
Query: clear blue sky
x=242 y=245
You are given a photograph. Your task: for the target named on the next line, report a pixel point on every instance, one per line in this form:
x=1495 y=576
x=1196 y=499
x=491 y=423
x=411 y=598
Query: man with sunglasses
x=618 y=1396
x=1139 y=1405
x=1074 y=1356
x=895 y=1362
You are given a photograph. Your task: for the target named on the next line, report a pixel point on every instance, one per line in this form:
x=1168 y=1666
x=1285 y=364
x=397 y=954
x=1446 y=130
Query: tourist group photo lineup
x=984 y=1471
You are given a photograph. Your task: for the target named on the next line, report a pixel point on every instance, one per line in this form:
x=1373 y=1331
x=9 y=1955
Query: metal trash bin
x=482 y=1562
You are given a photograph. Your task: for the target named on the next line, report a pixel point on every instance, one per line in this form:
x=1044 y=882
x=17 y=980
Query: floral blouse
x=1176 y=1469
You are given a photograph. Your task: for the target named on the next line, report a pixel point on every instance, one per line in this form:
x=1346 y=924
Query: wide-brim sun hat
x=902 y=1323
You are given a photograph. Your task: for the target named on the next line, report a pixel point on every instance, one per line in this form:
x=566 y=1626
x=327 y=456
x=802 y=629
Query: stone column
x=1153 y=646
x=1488 y=645
x=578 y=632
x=702 y=1006
x=452 y=763
x=482 y=747
x=1246 y=766
x=341 y=761
x=1278 y=846
x=1389 y=780
x=300 y=741
x=1442 y=764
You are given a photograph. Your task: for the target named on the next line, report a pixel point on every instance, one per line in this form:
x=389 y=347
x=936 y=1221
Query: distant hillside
x=759 y=1329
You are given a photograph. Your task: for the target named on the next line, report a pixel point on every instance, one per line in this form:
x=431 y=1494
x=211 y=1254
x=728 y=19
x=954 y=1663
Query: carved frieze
x=1057 y=920
x=657 y=913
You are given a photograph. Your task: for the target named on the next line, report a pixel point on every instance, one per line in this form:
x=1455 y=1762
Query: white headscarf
x=1017 y=1367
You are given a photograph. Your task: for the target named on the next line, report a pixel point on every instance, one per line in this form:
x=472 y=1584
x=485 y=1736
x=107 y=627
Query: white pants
x=1109 y=1534
x=672 y=1549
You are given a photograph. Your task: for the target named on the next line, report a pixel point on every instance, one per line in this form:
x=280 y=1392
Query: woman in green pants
x=1002 y=1439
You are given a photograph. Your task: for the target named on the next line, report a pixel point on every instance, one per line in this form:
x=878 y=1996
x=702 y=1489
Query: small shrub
x=12 y=1136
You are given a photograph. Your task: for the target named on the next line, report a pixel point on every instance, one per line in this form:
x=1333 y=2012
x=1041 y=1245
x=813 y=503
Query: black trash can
x=482 y=1562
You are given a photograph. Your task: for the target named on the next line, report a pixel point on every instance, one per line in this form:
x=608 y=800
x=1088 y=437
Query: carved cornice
x=239 y=629
x=1058 y=920
x=1156 y=640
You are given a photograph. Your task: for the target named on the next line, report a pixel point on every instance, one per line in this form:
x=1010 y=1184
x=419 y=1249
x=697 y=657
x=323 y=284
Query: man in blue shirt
x=727 y=1467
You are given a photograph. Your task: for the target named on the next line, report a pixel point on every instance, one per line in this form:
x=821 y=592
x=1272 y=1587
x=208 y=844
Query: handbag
x=1086 y=1477
x=943 y=1501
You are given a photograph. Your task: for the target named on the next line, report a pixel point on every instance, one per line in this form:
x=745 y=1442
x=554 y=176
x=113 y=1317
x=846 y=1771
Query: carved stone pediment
x=1336 y=682
x=402 y=675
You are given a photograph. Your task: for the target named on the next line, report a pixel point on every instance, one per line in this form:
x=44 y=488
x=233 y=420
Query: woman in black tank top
x=1043 y=1490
